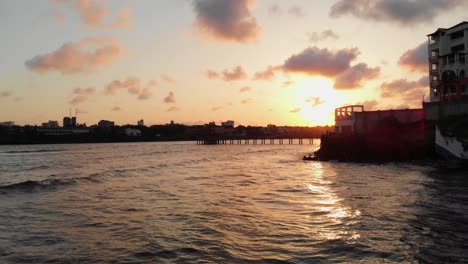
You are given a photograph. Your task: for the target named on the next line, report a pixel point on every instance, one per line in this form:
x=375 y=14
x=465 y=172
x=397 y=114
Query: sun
x=317 y=100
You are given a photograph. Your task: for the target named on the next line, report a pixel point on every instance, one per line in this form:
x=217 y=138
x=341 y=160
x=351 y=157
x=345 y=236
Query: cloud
x=415 y=60
x=173 y=109
x=168 y=79
x=133 y=86
x=93 y=13
x=286 y=84
x=326 y=34
x=355 y=76
x=210 y=74
x=316 y=101
x=227 y=20
x=267 y=74
x=216 y=108
x=369 y=105
x=6 y=93
x=245 y=89
x=81 y=95
x=276 y=10
x=295 y=110
x=170 y=99
x=404 y=89
x=247 y=101
x=237 y=73
x=316 y=61
x=116 y=109
x=405 y=12
x=296 y=11
x=84 y=56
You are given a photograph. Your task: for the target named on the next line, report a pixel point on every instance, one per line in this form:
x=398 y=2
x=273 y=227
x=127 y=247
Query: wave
x=31 y=185
x=32 y=151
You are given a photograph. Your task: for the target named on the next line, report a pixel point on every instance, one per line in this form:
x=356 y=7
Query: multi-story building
x=7 y=123
x=448 y=63
x=141 y=123
x=50 y=124
x=106 y=123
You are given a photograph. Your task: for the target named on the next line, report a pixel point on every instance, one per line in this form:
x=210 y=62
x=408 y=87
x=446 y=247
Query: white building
x=132 y=132
x=448 y=64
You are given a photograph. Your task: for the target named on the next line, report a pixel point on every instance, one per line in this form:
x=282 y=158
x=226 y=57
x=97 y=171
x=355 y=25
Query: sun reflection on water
x=327 y=202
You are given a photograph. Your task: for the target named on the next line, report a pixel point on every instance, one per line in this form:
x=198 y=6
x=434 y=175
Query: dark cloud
x=326 y=34
x=81 y=95
x=267 y=74
x=228 y=20
x=355 y=76
x=6 y=93
x=415 y=60
x=276 y=10
x=404 y=89
x=316 y=61
x=170 y=99
x=83 y=57
x=245 y=89
x=395 y=11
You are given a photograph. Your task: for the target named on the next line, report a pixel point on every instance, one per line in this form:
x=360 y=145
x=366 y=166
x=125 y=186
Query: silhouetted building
x=132 y=132
x=106 y=123
x=228 y=123
x=141 y=123
x=50 y=124
x=7 y=123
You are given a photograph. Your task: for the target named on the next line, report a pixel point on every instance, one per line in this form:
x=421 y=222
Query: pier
x=254 y=141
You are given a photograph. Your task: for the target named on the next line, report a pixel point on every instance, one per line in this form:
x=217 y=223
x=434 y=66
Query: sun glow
x=317 y=100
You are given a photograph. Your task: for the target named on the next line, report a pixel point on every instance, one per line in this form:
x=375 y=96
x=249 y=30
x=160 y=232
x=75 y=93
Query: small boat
x=452 y=148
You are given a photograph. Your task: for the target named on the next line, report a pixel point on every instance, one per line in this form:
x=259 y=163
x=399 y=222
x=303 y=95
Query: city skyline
x=255 y=62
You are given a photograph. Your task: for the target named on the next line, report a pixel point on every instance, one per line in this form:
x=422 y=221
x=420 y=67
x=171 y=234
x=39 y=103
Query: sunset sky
x=196 y=61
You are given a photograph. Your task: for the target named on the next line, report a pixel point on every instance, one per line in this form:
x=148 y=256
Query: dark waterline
x=184 y=203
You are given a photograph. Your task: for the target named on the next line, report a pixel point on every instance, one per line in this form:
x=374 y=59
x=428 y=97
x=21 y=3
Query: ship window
x=445 y=90
x=435 y=92
x=462 y=73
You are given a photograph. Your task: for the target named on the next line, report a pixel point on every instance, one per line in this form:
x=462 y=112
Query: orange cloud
x=228 y=20
x=245 y=89
x=168 y=79
x=83 y=57
x=93 y=13
x=170 y=99
x=133 y=86
x=237 y=73
x=295 y=110
x=267 y=74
